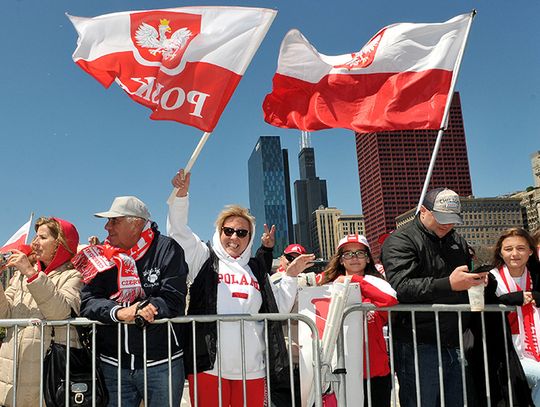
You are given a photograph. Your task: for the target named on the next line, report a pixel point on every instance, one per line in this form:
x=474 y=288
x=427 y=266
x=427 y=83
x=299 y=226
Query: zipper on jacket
x=175 y=338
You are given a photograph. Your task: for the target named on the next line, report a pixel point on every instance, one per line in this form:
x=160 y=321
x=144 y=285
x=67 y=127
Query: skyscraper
x=324 y=231
x=393 y=165
x=288 y=204
x=309 y=192
x=268 y=185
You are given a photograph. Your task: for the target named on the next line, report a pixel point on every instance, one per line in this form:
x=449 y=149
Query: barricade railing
x=436 y=309
x=286 y=319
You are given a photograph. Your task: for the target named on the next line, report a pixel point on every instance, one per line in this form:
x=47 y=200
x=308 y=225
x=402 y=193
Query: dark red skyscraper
x=392 y=167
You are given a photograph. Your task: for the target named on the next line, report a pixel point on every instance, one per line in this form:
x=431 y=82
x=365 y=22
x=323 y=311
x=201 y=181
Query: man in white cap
x=427 y=262
x=137 y=275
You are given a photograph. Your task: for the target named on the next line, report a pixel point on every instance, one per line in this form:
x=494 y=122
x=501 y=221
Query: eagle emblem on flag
x=158 y=42
x=365 y=56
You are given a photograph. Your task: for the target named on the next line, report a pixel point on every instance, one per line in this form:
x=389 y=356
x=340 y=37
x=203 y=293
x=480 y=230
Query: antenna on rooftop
x=305 y=140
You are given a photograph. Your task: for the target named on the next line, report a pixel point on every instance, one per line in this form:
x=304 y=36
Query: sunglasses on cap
x=359 y=254
x=289 y=257
x=241 y=233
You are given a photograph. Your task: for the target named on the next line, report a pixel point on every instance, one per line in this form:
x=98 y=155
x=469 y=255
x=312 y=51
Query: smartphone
x=483 y=268
x=318 y=262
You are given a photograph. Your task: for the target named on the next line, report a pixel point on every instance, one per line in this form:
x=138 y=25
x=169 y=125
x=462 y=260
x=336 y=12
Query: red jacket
x=377 y=291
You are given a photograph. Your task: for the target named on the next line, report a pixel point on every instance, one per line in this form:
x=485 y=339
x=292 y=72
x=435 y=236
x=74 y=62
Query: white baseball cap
x=126 y=206
x=353 y=239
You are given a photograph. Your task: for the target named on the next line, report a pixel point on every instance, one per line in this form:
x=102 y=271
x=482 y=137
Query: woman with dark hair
x=517 y=273
x=353 y=258
x=50 y=290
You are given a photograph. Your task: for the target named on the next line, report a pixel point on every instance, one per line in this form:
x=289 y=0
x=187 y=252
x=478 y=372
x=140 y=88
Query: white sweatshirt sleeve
x=195 y=250
x=285 y=290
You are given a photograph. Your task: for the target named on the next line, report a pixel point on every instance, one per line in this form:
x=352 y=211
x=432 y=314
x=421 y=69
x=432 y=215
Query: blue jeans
x=157 y=386
x=428 y=364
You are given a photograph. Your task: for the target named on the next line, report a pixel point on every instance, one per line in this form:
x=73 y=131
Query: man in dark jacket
x=137 y=275
x=427 y=263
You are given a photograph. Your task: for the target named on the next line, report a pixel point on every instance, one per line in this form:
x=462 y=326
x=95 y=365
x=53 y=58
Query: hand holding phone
x=484 y=268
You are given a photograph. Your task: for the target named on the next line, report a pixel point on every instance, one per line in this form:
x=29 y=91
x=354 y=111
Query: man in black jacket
x=427 y=263
x=137 y=275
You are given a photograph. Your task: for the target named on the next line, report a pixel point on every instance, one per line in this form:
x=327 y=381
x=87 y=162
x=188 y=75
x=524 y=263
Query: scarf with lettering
x=98 y=258
x=526 y=319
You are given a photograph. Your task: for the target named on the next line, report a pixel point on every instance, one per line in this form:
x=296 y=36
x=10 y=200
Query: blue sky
x=69 y=145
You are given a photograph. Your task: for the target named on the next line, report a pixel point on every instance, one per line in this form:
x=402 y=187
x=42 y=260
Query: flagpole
x=444 y=122
x=205 y=136
x=191 y=161
x=28 y=234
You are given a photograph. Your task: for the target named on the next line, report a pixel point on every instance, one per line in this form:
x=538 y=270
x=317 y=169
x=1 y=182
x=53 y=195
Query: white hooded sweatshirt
x=238 y=293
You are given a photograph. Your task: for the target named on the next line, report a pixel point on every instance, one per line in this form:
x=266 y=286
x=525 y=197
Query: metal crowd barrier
x=340 y=372
x=16 y=324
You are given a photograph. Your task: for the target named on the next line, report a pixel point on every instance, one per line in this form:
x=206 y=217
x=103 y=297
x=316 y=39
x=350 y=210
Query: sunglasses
x=114 y=221
x=241 y=233
x=358 y=254
x=289 y=257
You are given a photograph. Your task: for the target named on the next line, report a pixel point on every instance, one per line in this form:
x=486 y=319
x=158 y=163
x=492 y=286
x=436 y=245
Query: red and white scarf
x=528 y=318
x=98 y=258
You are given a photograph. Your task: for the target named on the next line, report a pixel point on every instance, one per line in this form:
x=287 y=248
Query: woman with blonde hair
x=50 y=290
x=225 y=279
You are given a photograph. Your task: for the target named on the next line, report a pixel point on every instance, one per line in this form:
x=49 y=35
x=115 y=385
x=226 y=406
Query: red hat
x=295 y=248
x=383 y=237
x=353 y=239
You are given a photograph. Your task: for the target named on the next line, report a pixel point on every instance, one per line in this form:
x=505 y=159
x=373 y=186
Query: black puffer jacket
x=203 y=301
x=418 y=264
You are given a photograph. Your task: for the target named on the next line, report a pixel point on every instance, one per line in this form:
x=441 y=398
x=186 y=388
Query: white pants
x=532 y=372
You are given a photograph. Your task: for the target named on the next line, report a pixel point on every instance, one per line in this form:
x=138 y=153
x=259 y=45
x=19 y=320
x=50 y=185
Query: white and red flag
x=399 y=80
x=20 y=237
x=183 y=63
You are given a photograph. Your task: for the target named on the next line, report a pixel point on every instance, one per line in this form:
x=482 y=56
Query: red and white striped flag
x=183 y=63
x=399 y=80
x=20 y=237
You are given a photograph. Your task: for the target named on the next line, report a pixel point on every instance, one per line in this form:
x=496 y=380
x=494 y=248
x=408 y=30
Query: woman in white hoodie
x=225 y=279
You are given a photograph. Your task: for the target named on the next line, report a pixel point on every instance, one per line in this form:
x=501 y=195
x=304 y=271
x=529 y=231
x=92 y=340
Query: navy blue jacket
x=162 y=271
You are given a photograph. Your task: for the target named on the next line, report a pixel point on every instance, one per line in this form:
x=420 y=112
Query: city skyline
x=70 y=146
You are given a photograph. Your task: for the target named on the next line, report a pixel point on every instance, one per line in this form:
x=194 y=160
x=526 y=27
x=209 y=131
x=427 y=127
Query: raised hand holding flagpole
x=190 y=163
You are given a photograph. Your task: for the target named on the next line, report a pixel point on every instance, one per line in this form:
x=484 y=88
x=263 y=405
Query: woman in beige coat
x=50 y=290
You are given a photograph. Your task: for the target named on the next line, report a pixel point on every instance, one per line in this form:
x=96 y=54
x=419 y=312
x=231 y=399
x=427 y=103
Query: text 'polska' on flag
x=399 y=80
x=183 y=63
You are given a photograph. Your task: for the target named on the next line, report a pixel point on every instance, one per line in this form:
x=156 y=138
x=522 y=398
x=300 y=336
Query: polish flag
x=19 y=238
x=399 y=80
x=183 y=63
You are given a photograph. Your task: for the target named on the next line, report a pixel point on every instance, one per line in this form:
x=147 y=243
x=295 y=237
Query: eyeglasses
x=358 y=254
x=289 y=257
x=241 y=233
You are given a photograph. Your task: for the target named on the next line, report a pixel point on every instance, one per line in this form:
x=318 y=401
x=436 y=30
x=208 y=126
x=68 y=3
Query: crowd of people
x=138 y=275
